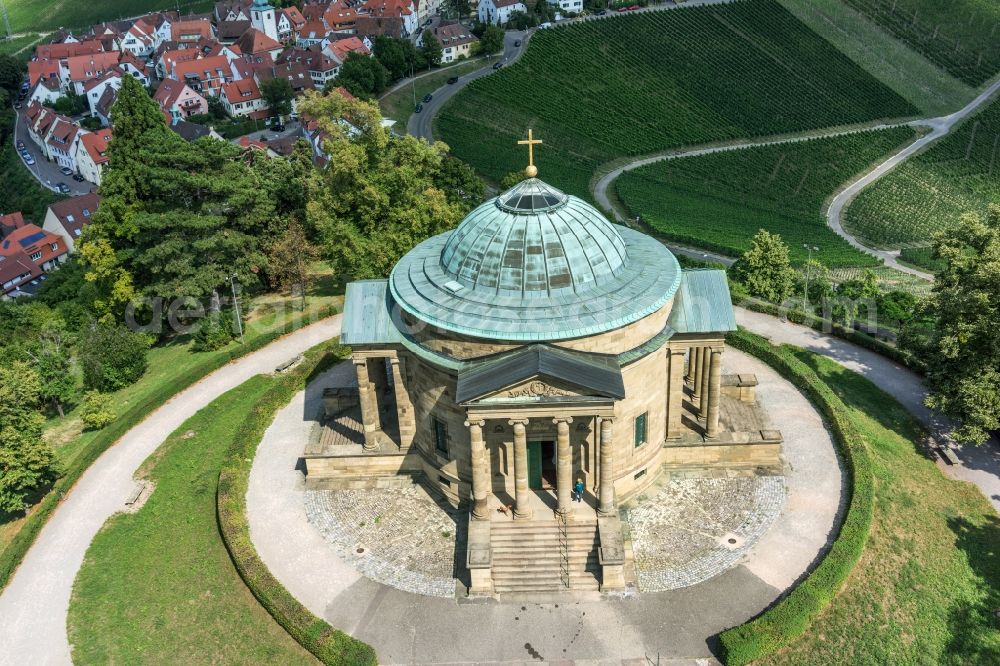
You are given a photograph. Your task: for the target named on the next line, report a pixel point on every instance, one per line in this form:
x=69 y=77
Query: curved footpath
x=34 y=605
x=407 y=628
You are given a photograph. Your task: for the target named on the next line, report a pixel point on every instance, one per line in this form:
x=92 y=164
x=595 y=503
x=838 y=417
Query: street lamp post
x=236 y=304
x=805 y=295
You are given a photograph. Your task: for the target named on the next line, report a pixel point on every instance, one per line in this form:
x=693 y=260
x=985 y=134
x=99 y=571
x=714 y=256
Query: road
x=420 y=124
x=45 y=172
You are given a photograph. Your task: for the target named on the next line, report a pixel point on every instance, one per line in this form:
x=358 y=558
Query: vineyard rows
x=960 y=36
x=599 y=90
x=932 y=190
x=719 y=201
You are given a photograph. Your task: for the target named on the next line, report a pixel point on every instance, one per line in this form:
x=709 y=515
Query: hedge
x=12 y=555
x=329 y=645
x=791 y=616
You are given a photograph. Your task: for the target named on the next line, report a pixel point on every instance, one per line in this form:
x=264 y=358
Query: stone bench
x=741 y=387
x=135 y=495
x=289 y=364
x=948 y=454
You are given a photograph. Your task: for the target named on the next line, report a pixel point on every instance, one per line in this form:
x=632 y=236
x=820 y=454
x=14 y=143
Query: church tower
x=262 y=18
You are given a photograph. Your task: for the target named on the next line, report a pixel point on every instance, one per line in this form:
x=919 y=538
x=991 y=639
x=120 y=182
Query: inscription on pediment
x=537 y=388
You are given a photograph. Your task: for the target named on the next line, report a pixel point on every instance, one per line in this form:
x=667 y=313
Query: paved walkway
x=980 y=464
x=410 y=628
x=34 y=605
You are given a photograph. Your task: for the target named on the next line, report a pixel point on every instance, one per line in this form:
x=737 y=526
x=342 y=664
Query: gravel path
x=34 y=604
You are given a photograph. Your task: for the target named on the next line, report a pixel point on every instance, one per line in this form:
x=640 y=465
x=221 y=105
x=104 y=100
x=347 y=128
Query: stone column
x=689 y=375
x=480 y=473
x=706 y=372
x=696 y=379
x=369 y=405
x=714 y=391
x=675 y=391
x=404 y=406
x=522 y=504
x=564 y=466
x=606 y=505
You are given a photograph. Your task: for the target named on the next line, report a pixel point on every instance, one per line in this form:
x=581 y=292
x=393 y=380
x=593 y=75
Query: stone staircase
x=544 y=556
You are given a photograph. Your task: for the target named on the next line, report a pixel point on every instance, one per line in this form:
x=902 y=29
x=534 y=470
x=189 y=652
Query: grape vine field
x=629 y=85
x=719 y=201
x=959 y=173
x=961 y=37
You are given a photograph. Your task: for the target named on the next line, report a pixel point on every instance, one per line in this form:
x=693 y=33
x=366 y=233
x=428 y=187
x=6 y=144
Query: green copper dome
x=534 y=241
x=535 y=264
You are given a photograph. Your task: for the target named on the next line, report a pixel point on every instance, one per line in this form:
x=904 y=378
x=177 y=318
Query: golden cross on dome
x=530 y=142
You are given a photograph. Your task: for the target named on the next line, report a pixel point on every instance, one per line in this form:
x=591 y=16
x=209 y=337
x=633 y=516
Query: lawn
x=932 y=190
x=928 y=582
x=934 y=91
x=158 y=586
x=960 y=36
x=601 y=90
x=398 y=105
x=719 y=201
x=47 y=15
x=12 y=46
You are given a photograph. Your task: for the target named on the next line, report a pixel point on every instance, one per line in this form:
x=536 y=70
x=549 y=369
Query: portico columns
x=696 y=379
x=706 y=371
x=522 y=503
x=480 y=475
x=369 y=405
x=564 y=465
x=606 y=504
x=715 y=387
x=675 y=391
x=404 y=407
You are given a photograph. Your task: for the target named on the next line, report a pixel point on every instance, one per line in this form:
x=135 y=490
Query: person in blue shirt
x=578 y=491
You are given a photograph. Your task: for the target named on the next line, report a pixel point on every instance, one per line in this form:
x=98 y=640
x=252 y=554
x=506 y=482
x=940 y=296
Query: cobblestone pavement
x=406 y=539
x=689 y=530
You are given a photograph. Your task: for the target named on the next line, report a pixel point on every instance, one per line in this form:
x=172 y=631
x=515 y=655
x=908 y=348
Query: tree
x=26 y=461
x=96 y=411
x=512 y=179
x=962 y=351
x=897 y=307
x=765 y=268
x=492 y=39
x=54 y=363
x=11 y=73
x=455 y=9
x=431 y=48
x=851 y=294
x=815 y=278
x=112 y=357
x=278 y=93
x=380 y=194
x=290 y=258
x=361 y=75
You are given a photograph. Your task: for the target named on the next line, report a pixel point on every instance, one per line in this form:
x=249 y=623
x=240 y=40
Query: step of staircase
x=528 y=557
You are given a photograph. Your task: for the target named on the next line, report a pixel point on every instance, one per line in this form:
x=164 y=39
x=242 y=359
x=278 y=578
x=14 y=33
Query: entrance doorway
x=542 y=465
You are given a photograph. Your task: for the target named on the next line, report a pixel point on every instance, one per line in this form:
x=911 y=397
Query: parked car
x=453 y=80
x=497 y=65
x=547 y=24
x=418 y=108
x=20 y=145
x=78 y=178
x=622 y=9
x=17 y=105
x=602 y=12
x=28 y=159
x=634 y=7
x=278 y=128
x=428 y=97
x=66 y=171
x=517 y=43
x=62 y=187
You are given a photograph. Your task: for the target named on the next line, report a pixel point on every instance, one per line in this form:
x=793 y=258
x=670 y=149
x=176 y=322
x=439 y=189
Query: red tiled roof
x=42 y=69
x=30 y=239
x=14 y=265
x=60 y=51
x=187 y=29
x=75 y=213
x=255 y=41
x=342 y=47
x=201 y=65
x=244 y=90
x=10 y=222
x=96 y=145
x=86 y=67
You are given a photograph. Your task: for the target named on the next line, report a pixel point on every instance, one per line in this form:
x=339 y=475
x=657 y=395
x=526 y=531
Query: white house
x=498 y=12
x=262 y=17
x=91 y=155
x=141 y=39
x=243 y=98
x=63 y=141
x=46 y=91
x=456 y=41
x=68 y=218
x=568 y=5
x=95 y=88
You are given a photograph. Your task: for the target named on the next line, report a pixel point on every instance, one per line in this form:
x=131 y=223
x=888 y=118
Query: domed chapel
x=536 y=350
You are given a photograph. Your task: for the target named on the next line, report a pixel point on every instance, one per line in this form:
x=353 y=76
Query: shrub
x=791 y=616
x=112 y=357
x=213 y=332
x=96 y=410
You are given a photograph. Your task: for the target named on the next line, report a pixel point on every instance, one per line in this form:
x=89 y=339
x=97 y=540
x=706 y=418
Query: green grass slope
x=158 y=586
x=48 y=15
x=955 y=175
x=639 y=84
x=719 y=201
x=960 y=36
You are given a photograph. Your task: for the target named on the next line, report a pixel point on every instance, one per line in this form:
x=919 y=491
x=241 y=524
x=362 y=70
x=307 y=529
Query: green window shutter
x=640 y=429
x=440 y=436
